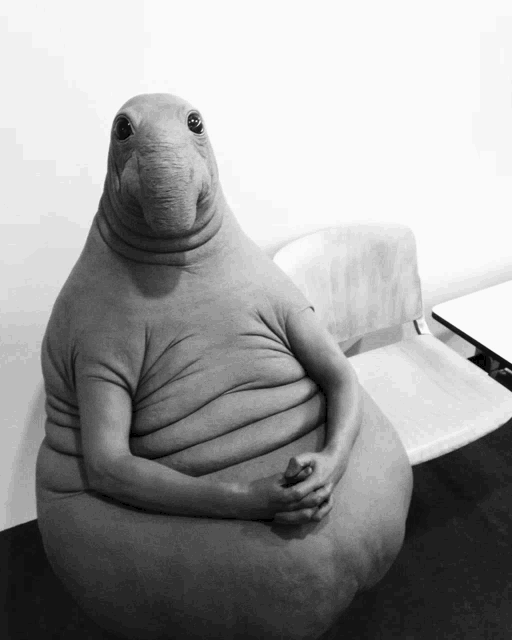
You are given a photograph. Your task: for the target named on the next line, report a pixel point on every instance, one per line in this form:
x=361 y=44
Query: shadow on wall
x=21 y=494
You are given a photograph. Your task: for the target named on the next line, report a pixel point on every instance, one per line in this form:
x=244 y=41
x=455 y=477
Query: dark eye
x=195 y=123
x=123 y=128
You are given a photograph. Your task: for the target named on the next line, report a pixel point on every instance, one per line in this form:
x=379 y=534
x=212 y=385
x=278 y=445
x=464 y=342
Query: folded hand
x=313 y=477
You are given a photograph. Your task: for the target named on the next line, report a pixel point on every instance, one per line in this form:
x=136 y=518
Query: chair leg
x=487 y=363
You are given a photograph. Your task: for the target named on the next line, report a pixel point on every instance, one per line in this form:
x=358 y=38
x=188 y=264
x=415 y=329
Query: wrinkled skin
x=162 y=190
x=171 y=305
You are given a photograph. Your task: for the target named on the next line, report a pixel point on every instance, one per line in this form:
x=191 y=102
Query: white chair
x=363 y=278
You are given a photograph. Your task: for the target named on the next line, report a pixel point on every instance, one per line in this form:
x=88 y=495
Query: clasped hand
x=303 y=493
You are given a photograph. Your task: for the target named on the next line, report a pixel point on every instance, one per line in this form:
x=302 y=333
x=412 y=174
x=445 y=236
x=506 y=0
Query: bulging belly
x=201 y=412
x=239 y=425
x=218 y=447
x=235 y=426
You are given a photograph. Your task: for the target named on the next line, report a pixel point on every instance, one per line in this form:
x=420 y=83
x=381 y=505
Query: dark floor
x=452 y=579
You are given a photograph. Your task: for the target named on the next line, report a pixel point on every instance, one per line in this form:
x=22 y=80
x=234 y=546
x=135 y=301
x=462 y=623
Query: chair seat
x=436 y=400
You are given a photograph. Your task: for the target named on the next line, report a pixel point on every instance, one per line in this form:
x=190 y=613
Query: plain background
x=319 y=113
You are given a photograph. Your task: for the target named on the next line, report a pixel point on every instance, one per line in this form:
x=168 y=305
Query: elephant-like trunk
x=170 y=187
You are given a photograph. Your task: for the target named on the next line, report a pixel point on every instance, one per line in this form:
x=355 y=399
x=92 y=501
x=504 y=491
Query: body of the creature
x=189 y=319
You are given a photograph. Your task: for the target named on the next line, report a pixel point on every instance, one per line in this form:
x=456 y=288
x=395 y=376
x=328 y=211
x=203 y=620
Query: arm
x=111 y=469
x=105 y=418
x=325 y=364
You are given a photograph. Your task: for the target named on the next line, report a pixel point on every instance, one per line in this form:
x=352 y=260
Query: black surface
x=452 y=579
x=471 y=340
x=35 y=604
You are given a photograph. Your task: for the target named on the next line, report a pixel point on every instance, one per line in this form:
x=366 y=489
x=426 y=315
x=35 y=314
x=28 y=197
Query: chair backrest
x=360 y=278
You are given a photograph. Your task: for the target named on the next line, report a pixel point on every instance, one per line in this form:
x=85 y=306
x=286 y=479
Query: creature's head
x=162 y=177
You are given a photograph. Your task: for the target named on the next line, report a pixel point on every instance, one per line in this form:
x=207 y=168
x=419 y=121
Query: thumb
x=295 y=465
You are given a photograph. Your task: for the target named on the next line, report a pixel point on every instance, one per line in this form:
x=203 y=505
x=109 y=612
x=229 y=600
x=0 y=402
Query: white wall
x=319 y=112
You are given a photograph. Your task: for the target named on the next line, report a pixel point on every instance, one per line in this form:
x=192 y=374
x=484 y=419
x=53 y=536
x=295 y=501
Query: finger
x=296 y=465
x=305 y=473
x=323 y=509
x=294 y=517
x=313 y=499
x=293 y=468
x=302 y=475
x=300 y=490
